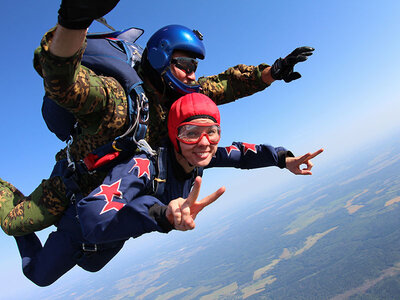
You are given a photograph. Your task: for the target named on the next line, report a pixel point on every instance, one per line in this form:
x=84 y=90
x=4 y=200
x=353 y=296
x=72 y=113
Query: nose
x=203 y=141
x=191 y=76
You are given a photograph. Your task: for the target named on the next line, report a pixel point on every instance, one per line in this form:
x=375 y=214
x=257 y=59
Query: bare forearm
x=266 y=76
x=66 y=42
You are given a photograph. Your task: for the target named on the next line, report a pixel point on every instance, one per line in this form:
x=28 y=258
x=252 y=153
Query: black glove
x=283 y=67
x=79 y=14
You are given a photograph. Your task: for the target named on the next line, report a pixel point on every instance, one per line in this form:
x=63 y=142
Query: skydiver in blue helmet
x=99 y=103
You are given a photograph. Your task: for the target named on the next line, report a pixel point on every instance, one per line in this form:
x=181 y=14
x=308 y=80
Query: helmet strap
x=179 y=146
x=181 y=159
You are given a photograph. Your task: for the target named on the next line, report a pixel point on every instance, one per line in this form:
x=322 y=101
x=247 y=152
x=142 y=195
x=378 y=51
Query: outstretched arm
x=97 y=102
x=242 y=81
x=249 y=156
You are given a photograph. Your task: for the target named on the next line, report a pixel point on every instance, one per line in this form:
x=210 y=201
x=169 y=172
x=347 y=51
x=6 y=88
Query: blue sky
x=347 y=97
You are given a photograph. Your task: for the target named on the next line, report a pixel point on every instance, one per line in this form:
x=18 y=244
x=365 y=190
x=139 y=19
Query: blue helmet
x=162 y=44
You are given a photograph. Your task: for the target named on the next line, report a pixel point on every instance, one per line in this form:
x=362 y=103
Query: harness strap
x=143 y=114
x=199 y=171
x=93 y=161
x=91 y=248
x=160 y=180
x=69 y=173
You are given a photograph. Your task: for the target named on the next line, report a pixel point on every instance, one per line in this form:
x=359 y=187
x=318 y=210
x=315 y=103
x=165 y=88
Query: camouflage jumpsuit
x=100 y=105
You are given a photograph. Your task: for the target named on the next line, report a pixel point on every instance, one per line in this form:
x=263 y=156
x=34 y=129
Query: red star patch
x=248 y=147
x=109 y=191
x=230 y=149
x=143 y=167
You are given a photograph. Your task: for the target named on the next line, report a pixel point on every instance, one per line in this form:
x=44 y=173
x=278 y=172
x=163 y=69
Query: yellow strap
x=115 y=148
x=160 y=180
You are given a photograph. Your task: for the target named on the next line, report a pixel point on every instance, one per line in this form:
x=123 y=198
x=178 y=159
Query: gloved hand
x=283 y=67
x=79 y=14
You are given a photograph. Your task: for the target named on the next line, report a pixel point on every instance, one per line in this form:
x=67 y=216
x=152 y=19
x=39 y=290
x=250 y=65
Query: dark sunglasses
x=186 y=64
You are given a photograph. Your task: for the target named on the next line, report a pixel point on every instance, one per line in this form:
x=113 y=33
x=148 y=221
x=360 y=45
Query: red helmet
x=187 y=108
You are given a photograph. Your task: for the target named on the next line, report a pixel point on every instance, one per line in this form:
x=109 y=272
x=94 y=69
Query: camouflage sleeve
x=99 y=103
x=236 y=82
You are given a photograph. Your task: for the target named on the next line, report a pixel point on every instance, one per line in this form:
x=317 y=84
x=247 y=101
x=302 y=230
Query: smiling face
x=198 y=154
x=194 y=130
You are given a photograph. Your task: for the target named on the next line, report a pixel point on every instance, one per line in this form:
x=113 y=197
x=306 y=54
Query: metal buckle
x=89 y=248
x=72 y=199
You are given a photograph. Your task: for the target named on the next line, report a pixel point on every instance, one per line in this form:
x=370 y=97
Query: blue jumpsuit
x=94 y=230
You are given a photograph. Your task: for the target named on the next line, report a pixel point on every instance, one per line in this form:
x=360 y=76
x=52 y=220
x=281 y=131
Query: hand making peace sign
x=181 y=212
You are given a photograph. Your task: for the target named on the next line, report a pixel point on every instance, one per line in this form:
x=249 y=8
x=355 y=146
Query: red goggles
x=192 y=133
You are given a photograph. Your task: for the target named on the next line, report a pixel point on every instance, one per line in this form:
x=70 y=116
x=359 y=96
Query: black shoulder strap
x=199 y=171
